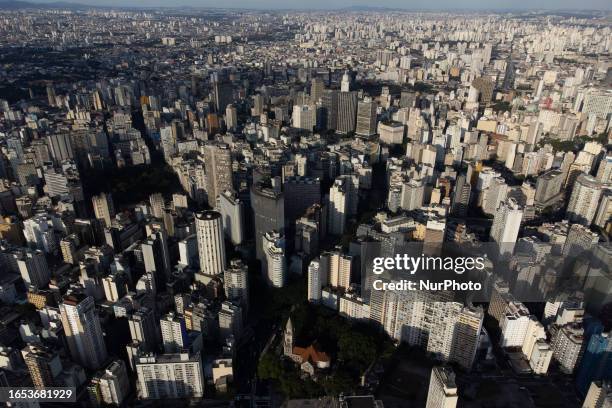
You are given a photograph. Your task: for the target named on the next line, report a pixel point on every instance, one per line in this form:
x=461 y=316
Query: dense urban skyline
x=362 y=207
x=338 y=4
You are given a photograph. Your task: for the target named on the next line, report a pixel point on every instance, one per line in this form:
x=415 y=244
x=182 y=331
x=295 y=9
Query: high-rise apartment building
x=83 y=331
x=276 y=261
x=170 y=376
x=442 y=392
x=583 y=202
x=506 y=225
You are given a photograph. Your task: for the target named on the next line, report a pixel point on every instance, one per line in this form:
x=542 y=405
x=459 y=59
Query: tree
x=269 y=367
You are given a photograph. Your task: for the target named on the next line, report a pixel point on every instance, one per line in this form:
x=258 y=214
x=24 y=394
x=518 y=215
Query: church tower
x=288 y=339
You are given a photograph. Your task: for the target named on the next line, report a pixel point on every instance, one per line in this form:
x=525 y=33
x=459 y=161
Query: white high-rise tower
x=211 y=246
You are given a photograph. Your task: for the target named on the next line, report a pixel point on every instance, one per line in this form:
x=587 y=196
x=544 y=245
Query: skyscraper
x=345 y=84
x=211 y=244
x=143 y=328
x=33 y=267
x=315 y=281
x=231 y=208
x=174 y=333
x=236 y=283
x=223 y=92
x=317 y=86
x=231 y=117
x=268 y=206
x=170 y=376
x=329 y=103
x=584 y=200
x=366 y=117
x=83 y=331
x=104 y=208
x=276 y=262
x=596 y=363
x=506 y=225
x=218 y=164
x=43 y=364
x=442 y=391
x=347 y=112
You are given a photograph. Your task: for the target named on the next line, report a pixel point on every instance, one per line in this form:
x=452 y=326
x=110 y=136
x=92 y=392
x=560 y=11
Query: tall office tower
x=317 y=87
x=211 y=245
x=258 y=105
x=223 y=92
x=567 y=343
x=60 y=147
x=276 y=262
x=218 y=164
x=466 y=336
x=596 y=363
x=155 y=252
x=268 y=207
x=548 y=188
x=461 y=196
x=231 y=117
x=584 y=200
x=347 y=112
x=143 y=328
x=506 y=225
x=413 y=192
x=157 y=205
x=304 y=117
x=104 y=208
x=300 y=194
x=170 y=376
x=442 y=391
x=83 y=331
x=113 y=383
x=315 y=281
x=236 y=283
x=329 y=102
x=231 y=208
x=174 y=333
x=43 y=364
x=230 y=320
x=345 y=84
x=33 y=267
x=599 y=395
x=366 y=117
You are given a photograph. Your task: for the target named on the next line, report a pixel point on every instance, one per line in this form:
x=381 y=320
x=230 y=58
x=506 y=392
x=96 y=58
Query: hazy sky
x=331 y=4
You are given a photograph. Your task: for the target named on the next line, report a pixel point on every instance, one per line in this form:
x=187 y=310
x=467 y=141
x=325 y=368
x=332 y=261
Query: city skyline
x=321 y=5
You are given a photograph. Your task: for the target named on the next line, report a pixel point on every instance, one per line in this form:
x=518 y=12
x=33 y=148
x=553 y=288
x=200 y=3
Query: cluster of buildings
x=304 y=145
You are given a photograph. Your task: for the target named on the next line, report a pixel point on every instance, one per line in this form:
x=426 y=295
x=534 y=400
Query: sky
x=335 y=4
